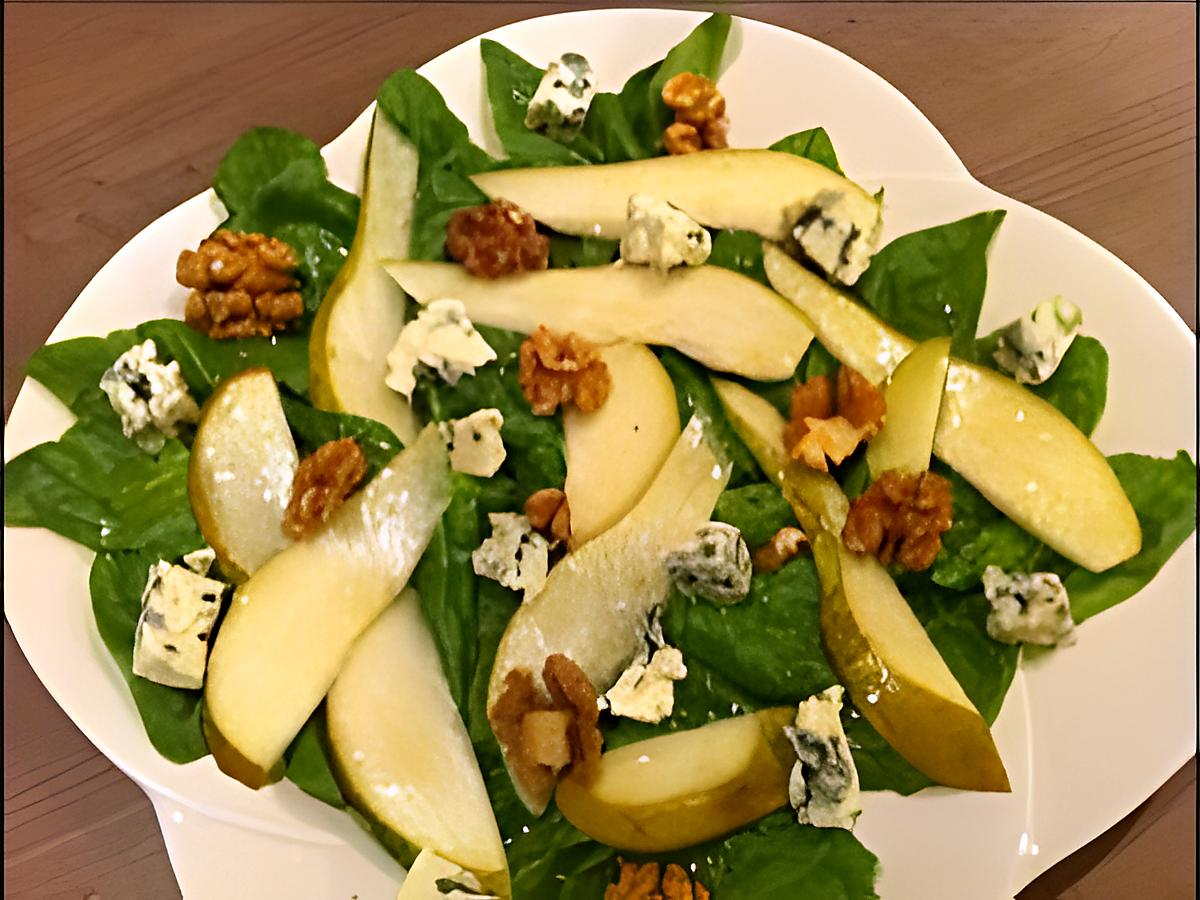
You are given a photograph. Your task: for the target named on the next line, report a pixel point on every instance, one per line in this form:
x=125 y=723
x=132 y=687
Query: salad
x=598 y=521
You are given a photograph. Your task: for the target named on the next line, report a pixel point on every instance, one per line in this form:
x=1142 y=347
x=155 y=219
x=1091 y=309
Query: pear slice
x=288 y=629
x=240 y=472
x=429 y=871
x=593 y=607
x=363 y=311
x=720 y=318
x=913 y=397
x=1016 y=449
x=614 y=453
x=879 y=649
x=400 y=751
x=684 y=788
x=763 y=191
x=1035 y=466
x=846 y=328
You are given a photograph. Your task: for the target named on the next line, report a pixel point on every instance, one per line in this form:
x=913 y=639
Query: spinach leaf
x=74 y=367
x=814 y=144
x=740 y=251
x=258 y=156
x=171 y=716
x=1163 y=494
x=308 y=762
x=314 y=427
x=567 y=252
x=930 y=283
x=756 y=510
x=320 y=255
x=695 y=396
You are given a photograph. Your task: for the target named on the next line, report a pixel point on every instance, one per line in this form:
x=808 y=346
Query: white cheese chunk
x=152 y=399
x=830 y=239
x=514 y=555
x=200 y=561
x=179 y=608
x=474 y=442
x=1031 y=347
x=560 y=103
x=660 y=235
x=1030 y=609
x=433 y=877
x=646 y=692
x=442 y=338
x=715 y=564
x=823 y=788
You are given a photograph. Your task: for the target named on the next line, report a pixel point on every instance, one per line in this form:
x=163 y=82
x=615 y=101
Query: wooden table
x=115 y=113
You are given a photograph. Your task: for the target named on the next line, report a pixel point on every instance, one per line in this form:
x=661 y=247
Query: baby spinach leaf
x=756 y=510
x=171 y=716
x=314 y=427
x=930 y=283
x=73 y=367
x=256 y=157
x=308 y=762
x=814 y=144
x=740 y=251
x=1163 y=494
x=567 y=252
x=320 y=254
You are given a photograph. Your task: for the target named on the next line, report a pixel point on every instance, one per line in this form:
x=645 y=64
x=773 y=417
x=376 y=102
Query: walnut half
x=322 y=482
x=556 y=369
x=902 y=517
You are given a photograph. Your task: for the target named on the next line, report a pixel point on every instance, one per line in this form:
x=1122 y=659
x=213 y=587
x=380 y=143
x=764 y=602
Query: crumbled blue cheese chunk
x=200 y=561
x=442 y=338
x=560 y=103
x=514 y=555
x=152 y=399
x=823 y=788
x=474 y=442
x=829 y=238
x=179 y=608
x=646 y=690
x=1030 y=609
x=715 y=564
x=660 y=235
x=1031 y=347
x=433 y=877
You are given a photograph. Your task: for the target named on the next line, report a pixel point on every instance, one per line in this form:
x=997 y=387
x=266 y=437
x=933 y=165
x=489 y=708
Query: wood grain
x=114 y=113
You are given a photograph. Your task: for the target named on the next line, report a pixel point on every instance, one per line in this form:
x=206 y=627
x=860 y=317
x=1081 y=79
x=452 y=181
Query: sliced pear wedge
x=772 y=189
x=913 y=397
x=680 y=789
x=720 y=318
x=879 y=649
x=240 y=472
x=288 y=629
x=593 y=607
x=400 y=751
x=363 y=311
x=614 y=453
x=1016 y=449
x=846 y=328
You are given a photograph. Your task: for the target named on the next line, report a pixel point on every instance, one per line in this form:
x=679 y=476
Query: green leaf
x=930 y=283
x=567 y=252
x=1163 y=494
x=74 y=367
x=756 y=510
x=814 y=144
x=740 y=251
x=308 y=762
x=314 y=427
x=320 y=254
x=258 y=156
x=171 y=716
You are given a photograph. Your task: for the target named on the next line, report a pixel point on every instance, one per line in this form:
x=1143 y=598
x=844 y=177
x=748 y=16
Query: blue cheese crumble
x=646 y=690
x=1028 y=609
x=441 y=338
x=663 y=236
x=200 y=561
x=560 y=103
x=1031 y=347
x=715 y=565
x=823 y=788
x=179 y=608
x=474 y=442
x=152 y=399
x=514 y=555
x=828 y=237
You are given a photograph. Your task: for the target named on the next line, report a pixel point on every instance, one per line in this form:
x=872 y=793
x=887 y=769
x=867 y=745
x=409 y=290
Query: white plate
x=1087 y=733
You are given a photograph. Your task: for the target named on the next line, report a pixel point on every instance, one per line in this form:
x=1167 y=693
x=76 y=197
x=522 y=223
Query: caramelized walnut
x=243 y=285
x=859 y=401
x=901 y=517
x=558 y=369
x=496 y=239
x=700 y=122
x=823 y=423
x=534 y=741
x=782 y=546
x=321 y=484
x=641 y=881
x=812 y=399
x=549 y=514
